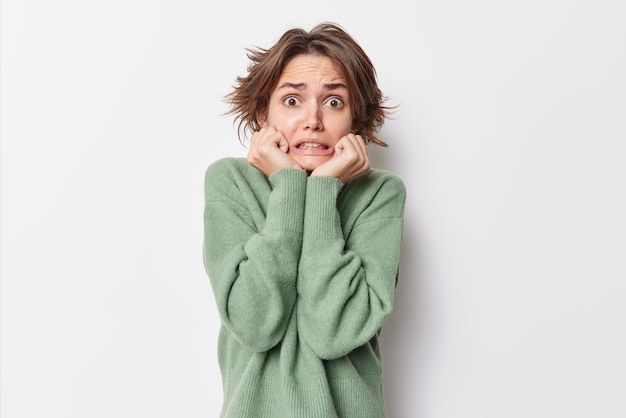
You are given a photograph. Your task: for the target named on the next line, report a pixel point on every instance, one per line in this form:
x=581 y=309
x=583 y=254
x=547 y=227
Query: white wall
x=510 y=137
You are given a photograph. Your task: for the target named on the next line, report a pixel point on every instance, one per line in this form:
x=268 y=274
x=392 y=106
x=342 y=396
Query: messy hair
x=250 y=96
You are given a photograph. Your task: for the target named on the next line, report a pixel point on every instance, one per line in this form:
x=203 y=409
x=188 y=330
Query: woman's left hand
x=349 y=161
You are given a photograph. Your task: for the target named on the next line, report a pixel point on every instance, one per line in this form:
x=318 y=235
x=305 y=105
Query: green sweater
x=303 y=270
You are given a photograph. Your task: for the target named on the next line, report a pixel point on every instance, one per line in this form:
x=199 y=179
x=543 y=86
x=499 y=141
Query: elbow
x=326 y=350
x=327 y=346
x=256 y=343
x=257 y=332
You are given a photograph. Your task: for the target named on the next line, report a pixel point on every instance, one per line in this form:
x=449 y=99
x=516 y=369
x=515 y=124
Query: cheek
x=285 y=122
x=343 y=125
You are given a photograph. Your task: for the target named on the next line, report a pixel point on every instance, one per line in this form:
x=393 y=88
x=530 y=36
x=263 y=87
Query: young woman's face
x=310 y=104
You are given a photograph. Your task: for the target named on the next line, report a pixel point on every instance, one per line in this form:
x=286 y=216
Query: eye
x=335 y=102
x=290 y=101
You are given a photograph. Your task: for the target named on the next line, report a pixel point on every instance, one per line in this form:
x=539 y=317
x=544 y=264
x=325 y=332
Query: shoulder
x=228 y=176
x=376 y=194
x=389 y=179
x=380 y=182
x=226 y=166
x=232 y=170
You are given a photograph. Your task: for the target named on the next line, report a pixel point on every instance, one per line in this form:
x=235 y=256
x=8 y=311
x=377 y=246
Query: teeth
x=310 y=144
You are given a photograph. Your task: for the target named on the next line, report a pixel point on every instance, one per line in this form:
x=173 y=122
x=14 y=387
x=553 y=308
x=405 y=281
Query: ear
x=261 y=118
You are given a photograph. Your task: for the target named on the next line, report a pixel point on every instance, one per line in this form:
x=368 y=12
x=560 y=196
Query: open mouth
x=312 y=148
x=309 y=145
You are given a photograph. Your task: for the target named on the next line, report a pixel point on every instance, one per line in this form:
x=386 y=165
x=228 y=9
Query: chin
x=310 y=163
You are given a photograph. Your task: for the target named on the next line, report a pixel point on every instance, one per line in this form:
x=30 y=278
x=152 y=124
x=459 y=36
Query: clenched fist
x=268 y=151
x=349 y=161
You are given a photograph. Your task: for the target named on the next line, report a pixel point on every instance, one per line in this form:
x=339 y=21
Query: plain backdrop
x=510 y=138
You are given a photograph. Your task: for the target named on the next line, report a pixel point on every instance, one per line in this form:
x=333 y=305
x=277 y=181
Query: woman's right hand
x=268 y=151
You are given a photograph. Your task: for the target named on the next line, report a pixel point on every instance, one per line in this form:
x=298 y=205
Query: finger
x=283 y=144
x=355 y=152
x=354 y=141
x=277 y=138
x=363 y=162
x=266 y=137
x=256 y=136
x=342 y=143
x=363 y=147
x=361 y=142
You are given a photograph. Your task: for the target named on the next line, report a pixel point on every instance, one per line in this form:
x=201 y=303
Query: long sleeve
x=253 y=273
x=346 y=286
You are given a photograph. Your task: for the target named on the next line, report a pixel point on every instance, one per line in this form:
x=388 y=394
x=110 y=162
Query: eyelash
x=330 y=98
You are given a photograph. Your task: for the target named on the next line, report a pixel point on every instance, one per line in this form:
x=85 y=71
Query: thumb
x=339 y=147
x=283 y=144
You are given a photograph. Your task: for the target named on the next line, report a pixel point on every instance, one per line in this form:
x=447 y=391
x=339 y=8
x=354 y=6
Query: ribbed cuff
x=285 y=207
x=321 y=217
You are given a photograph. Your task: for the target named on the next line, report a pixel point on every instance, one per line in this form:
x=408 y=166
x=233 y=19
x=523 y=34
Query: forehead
x=311 y=69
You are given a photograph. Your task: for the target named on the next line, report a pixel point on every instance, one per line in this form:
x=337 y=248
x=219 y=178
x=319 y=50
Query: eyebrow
x=300 y=86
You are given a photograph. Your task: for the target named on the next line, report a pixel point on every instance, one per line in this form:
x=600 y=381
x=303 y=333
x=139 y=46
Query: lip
x=312 y=151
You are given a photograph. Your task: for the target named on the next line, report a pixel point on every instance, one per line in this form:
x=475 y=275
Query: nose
x=313 y=118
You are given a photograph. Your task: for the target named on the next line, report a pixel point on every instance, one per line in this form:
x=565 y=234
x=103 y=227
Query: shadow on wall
x=401 y=339
x=401 y=342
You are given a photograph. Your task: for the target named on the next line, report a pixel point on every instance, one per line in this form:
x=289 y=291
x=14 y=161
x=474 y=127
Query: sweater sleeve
x=253 y=273
x=346 y=286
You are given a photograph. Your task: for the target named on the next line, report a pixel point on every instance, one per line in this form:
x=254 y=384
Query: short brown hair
x=250 y=97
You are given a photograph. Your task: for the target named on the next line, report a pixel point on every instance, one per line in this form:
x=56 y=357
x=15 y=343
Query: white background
x=510 y=138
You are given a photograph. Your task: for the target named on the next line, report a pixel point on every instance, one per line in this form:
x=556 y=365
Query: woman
x=302 y=238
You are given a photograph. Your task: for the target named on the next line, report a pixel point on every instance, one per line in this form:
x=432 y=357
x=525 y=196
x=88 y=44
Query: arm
x=346 y=287
x=253 y=274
